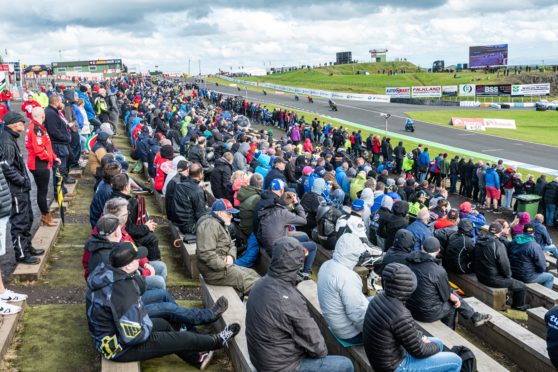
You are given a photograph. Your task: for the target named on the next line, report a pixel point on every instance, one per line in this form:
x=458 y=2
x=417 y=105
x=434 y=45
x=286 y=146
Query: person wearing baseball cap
x=15 y=172
x=278 y=172
x=216 y=251
x=493 y=269
x=527 y=259
x=118 y=312
x=434 y=300
x=353 y=223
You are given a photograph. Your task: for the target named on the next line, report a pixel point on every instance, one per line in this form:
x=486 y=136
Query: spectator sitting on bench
x=397 y=220
x=249 y=196
x=420 y=228
x=551 y=320
x=445 y=227
x=155 y=272
x=392 y=339
x=543 y=237
x=142 y=233
x=216 y=250
x=119 y=322
x=493 y=269
x=188 y=202
x=182 y=170
x=459 y=255
x=340 y=290
x=280 y=332
x=398 y=252
x=103 y=191
x=527 y=260
x=433 y=299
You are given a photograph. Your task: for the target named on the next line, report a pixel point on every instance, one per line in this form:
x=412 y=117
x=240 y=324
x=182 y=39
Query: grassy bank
x=533 y=126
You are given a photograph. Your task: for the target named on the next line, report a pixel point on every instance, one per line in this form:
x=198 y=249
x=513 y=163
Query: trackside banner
x=531 y=90
x=482 y=124
x=399 y=92
x=427 y=91
x=449 y=90
x=380 y=98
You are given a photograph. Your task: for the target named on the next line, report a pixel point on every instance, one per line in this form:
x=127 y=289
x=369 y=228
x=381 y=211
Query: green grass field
x=532 y=126
x=344 y=77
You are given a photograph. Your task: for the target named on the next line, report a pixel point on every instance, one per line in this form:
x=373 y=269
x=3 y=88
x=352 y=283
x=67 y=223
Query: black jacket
x=491 y=260
x=56 y=127
x=430 y=302
x=460 y=252
x=99 y=248
x=13 y=165
x=160 y=126
x=398 y=252
x=399 y=152
x=5 y=197
x=280 y=331
x=550 y=194
x=311 y=202
x=290 y=172
x=220 y=179
x=197 y=155
x=389 y=330
x=396 y=221
x=188 y=204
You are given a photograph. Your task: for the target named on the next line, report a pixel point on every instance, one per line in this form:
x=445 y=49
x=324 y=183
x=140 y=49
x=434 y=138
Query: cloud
x=261 y=33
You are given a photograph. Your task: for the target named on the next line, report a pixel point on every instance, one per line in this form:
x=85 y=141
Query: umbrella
x=226 y=115
x=60 y=194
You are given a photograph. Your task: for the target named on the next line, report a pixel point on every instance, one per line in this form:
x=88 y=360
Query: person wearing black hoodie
x=434 y=300
x=460 y=252
x=392 y=338
x=397 y=220
x=398 y=252
x=220 y=178
x=280 y=332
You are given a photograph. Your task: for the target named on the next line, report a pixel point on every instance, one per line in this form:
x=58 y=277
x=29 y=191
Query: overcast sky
x=255 y=34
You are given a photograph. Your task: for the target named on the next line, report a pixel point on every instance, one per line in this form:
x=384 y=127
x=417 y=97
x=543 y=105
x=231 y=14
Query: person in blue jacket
x=423 y=164
x=551 y=320
x=420 y=228
x=527 y=260
x=492 y=187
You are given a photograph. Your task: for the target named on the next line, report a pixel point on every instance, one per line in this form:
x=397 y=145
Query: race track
x=368 y=114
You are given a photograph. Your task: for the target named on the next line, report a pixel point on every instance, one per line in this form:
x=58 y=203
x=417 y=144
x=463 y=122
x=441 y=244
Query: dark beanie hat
x=431 y=245
x=167 y=152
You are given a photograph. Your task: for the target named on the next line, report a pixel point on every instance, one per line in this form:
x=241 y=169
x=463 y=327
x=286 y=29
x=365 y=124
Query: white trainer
x=11 y=296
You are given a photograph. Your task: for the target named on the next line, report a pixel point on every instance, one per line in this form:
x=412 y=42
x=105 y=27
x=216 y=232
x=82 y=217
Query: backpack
x=469 y=362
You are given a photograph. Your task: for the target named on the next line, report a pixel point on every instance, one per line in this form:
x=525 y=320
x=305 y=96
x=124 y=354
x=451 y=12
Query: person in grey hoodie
x=340 y=290
x=239 y=158
x=281 y=334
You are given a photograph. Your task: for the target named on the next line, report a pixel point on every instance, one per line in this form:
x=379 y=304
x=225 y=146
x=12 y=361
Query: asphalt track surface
x=368 y=114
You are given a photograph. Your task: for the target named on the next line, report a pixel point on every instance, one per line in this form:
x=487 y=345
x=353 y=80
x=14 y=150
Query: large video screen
x=488 y=55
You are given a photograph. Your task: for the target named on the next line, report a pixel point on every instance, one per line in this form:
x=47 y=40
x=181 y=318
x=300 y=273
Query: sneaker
x=7 y=309
x=204 y=359
x=220 y=306
x=479 y=319
x=522 y=307
x=229 y=332
x=9 y=296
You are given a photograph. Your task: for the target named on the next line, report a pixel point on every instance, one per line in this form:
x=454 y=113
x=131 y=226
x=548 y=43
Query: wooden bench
x=551 y=262
x=493 y=297
x=520 y=345
x=70 y=188
x=188 y=252
x=538 y=295
x=109 y=366
x=535 y=321
x=309 y=290
x=450 y=338
x=236 y=313
x=76 y=173
x=322 y=255
x=8 y=327
x=44 y=238
x=159 y=198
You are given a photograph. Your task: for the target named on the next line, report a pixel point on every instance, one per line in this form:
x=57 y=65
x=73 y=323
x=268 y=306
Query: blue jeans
x=442 y=361
x=422 y=176
x=509 y=197
x=157 y=281
x=550 y=213
x=160 y=304
x=552 y=249
x=546 y=279
x=310 y=246
x=331 y=363
x=453 y=183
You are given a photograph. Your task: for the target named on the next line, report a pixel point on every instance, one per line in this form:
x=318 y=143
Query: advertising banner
x=531 y=90
x=493 y=90
x=478 y=123
x=449 y=90
x=467 y=90
x=427 y=91
x=399 y=92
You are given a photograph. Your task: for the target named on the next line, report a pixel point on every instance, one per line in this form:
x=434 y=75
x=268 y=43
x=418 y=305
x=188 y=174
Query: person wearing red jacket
x=29 y=105
x=5 y=97
x=376 y=150
x=3 y=111
x=40 y=158
x=163 y=157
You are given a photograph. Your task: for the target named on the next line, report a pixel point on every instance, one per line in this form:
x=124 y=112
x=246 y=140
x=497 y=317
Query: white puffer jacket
x=340 y=288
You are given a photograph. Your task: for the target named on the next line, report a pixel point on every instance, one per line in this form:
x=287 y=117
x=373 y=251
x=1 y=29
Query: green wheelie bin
x=528 y=203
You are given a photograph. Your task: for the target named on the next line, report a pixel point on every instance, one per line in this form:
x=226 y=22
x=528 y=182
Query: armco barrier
x=428 y=102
